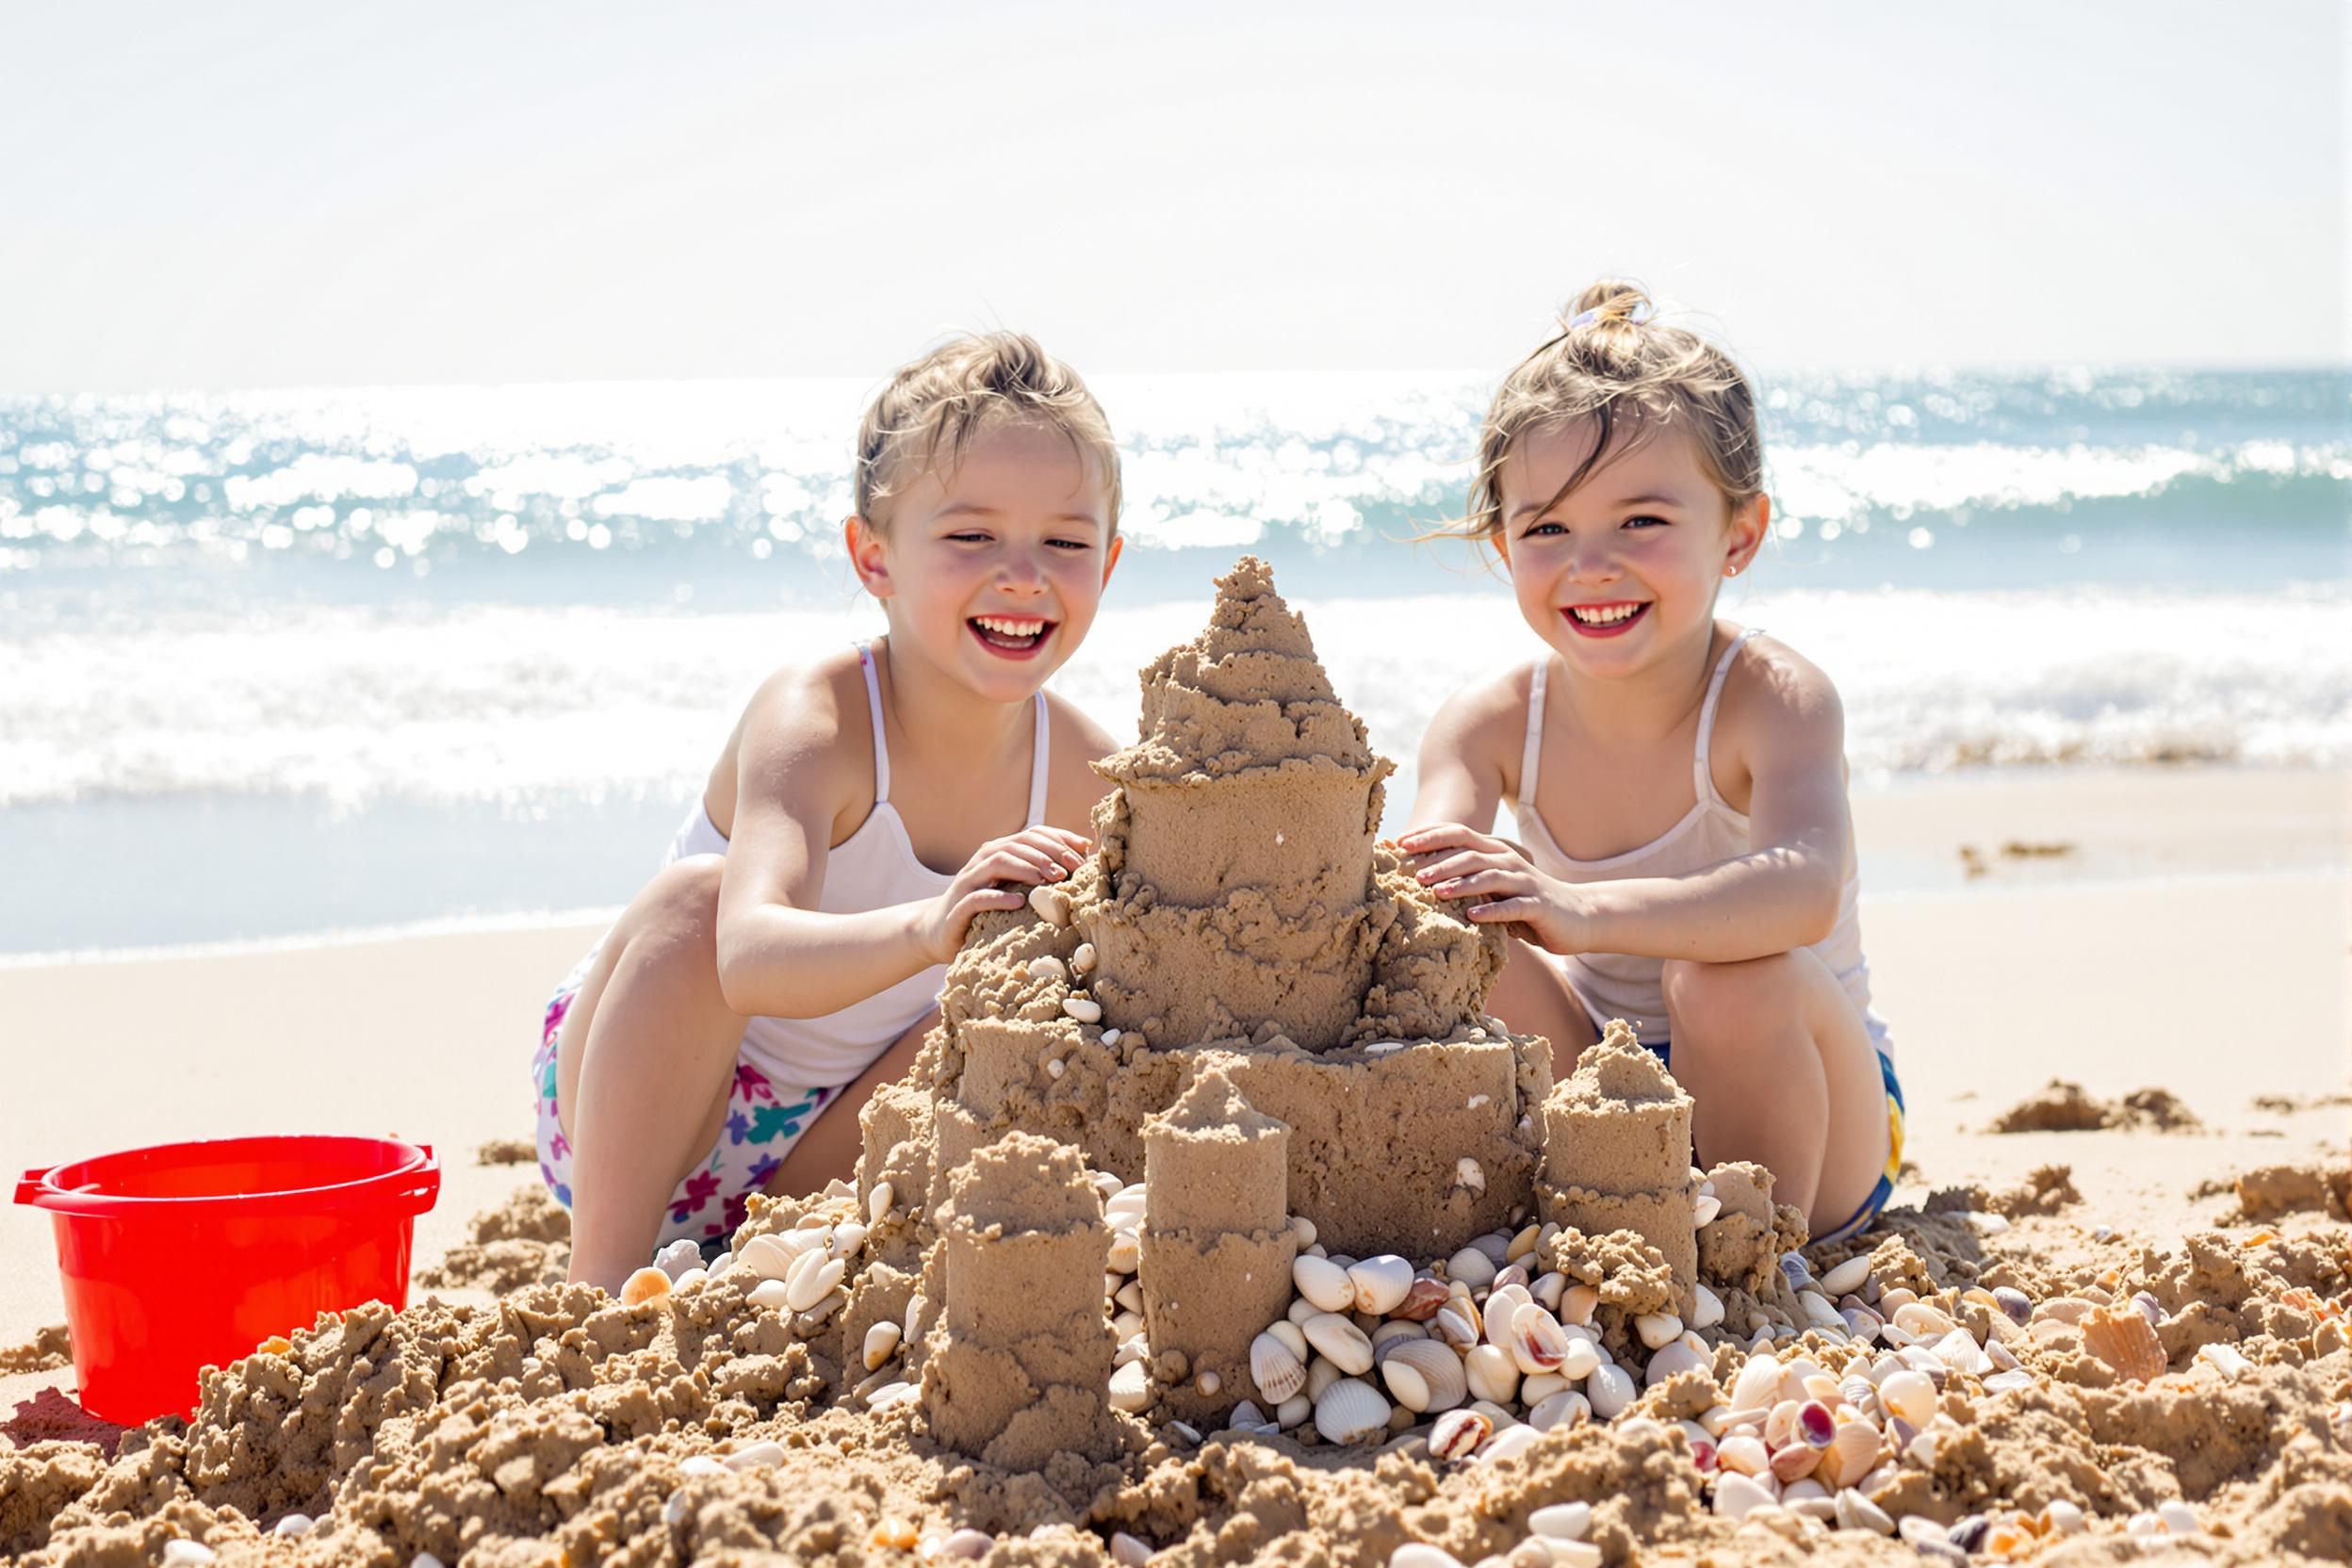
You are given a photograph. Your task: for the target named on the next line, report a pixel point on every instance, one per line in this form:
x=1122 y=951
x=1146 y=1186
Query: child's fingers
x=1491 y=881
x=1071 y=849
x=1437 y=836
x=983 y=899
x=1523 y=909
x=1457 y=866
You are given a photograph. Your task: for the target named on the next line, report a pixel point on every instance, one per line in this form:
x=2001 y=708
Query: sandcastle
x=1268 y=1043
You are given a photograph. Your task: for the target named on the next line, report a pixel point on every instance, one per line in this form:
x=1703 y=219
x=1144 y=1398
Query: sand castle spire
x=1617 y=1152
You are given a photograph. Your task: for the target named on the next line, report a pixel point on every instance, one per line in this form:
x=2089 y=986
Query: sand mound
x=527 y=1240
x=46 y=1352
x=2065 y=1107
x=506 y=1151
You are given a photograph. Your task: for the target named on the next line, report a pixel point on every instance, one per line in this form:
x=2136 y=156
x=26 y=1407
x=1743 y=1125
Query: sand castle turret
x=1617 y=1153
x=1019 y=1362
x=1218 y=1242
x=1240 y=849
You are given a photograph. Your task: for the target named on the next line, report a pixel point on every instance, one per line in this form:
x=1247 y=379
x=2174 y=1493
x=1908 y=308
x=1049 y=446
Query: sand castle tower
x=1617 y=1153
x=1218 y=1242
x=1245 y=817
x=1022 y=1359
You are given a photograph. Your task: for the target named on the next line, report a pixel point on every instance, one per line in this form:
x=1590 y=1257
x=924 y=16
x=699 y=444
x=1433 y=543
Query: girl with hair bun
x=1684 y=857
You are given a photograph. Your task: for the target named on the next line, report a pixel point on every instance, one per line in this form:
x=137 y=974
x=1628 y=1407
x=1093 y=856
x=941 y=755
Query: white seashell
x=1395 y=1329
x=1919 y=1319
x=1548 y=1290
x=812 y=1280
x=2224 y=1359
x=1543 y=1385
x=1658 y=1329
x=1128 y=1552
x=1294 y=1410
x=1416 y=1554
x=1304 y=1229
x=878 y=1201
x=881 y=1343
x=294 y=1525
x=700 y=1464
x=1582 y=1358
x=1049 y=904
x=1425 y=1376
x=1704 y=1209
x=1567 y=1408
x=1458 y=1434
x=847 y=1238
x=1126 y=1251
x=1577 y=1304
x=1537 y=1342
x=1562 y=1521
x=1055 y=1066
x=1350 y=1411
x=768 y=1257
x=1381 y=1282
x=1127 y=1323
x=1247 y=1417
x=1468 y=1174
x=1208 y=1384
x=1292 y=1339
x=1508 y=1443
x=1082 y=958
x=180 y=1552
x=1323 y=1283
x=1085 y=1009
x=1132 y=1349
x=1611 y=1389
x=769 y=1293
x=1671 y=1358
x=1737 y=1495
x=1709 y=1311
x=1275 y=1368
x=967 y=1543
x=1908 y=1394
x=1131 y=1387
x=1757 y=1387
x=1340 y=1341
x=1492 y=1373
x=1110 y=1036
x=756 y=1456
x=2179 y=1517
x=1472 y=1267
x=1847 y=1277
x=1047 y=966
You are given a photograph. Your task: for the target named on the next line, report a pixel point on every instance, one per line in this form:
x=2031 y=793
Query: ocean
x=279 y=665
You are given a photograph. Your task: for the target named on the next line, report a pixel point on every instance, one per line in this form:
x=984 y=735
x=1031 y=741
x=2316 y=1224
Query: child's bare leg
x=644 y=1061
x=828 y=1150
x=1531 y=997
x=1776 y=1055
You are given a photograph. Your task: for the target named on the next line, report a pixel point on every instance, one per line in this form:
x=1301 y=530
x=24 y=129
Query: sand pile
x=1217 y=1225
x=2065 y=1107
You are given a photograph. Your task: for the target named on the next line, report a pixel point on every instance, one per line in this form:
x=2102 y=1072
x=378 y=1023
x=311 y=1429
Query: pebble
x=426 y=1559
x=1562 y=1521
x=294 y=1525
x=967 y=1542
x=184 y=1552
x=1420 y=1553
x=2179 y=1517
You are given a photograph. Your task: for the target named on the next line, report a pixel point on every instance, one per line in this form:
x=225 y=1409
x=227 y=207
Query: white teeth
x=1603 y=617
x=1009 y=628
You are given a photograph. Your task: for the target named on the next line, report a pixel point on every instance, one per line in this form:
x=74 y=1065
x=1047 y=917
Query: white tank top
x=1622 y=985
x=872 y=868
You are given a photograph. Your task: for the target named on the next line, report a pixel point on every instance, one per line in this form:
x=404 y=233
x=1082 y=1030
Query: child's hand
x=1031 y=855
x=1457 y=862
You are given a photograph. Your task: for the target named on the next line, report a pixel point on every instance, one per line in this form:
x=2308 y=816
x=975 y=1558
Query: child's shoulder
x=1489 y=714
x=1073 y=786
x=1772 y=692
x=808 y=710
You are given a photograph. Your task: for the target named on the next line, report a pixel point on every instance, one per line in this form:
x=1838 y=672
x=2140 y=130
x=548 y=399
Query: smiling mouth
x=1604 y=620
x=1012 y=635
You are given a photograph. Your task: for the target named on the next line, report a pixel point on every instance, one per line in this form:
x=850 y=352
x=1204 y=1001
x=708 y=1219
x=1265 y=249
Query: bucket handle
x=419 y=1187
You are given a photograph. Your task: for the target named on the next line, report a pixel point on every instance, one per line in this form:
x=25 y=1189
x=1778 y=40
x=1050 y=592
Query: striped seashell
x=1425 y=1376
x=1457 y=1324
x=1458 y=1434
x=2126 y=1341
x=1339 y=1341
x=1350 y=1411
x=1289 y=1332
x=1851 y=1454
x=1278 y=1373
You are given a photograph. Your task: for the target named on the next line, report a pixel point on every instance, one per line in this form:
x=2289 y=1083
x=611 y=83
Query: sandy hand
x=1031 y=855
x=1456 y=862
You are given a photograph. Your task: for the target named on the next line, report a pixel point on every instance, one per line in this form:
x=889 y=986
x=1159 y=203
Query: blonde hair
x=1631 y=375
x=931 y=411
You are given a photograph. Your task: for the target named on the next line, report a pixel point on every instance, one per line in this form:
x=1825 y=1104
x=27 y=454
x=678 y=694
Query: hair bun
x=1609 y=299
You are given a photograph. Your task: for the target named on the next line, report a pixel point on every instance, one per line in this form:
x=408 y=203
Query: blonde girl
x=1684 y=856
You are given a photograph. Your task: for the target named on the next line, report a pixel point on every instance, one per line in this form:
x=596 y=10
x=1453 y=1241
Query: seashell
x=1421 y=1300
x=1457 y=1324
x=1709 y=1309
x=1567 y=1408
x=1508 y=1443
x=1548 y=1290
x=1047 y=966
x=1704 y=1210
x=1081 y=958
x=1737 y=1495
x=1472 y=1267
x=1381 y=1282
x=1295 y=1409
x=1961 y=1353
x=1611 y=1389
x=1794 y=1462
x=756 y=1456
x=1125 y=1253
x=1853 y=1453
x=1056 y=1067
x=1562 y=1521
x=1275 y=1369
x=1135 y=1349
x=881 y=1341
x=1658 y=1329
x=1304 y=1229
x=1129 y=1552
x=769 y=1293
x=1340 y=1341
x=1536 y=1340
x=647 y=1283
x=1512 y=1274
x=1522 y=1244
x=1350 y=1411
x=1294 y=1342
x=1469 y=1175
x=1743 y=1455
x=1323 y=1283
x=1391 y=1332
x=2126 y=1341
x=878 y=1201
x=811 y=1280
x=1458 y=1434
x=2015 y=1303
x=768 y=1257
x=1420 y=1553
x=1111 y=1036
x=1677 y=1356
x=2224 y=1359
x=1425 y=1376
x=1857 y=1512
x=1127 y=1323
x=1049 y=904
x=1817 y=1309
x=1085 y=1009
x=1131 y=1387
x=1922 y=1321
x=1247 y=1417
x=1909 y=1396
x=2014 y=1381
x=1492 y=1373
x=1757 y=1387
x=1577 y=1304
x=847 y=1238
x=1208 y=1384
x=1583 y=1357
x=1535 y=1390
x=1848 y=1276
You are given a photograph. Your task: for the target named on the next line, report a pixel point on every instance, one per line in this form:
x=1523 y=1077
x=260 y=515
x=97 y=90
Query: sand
x=557 y=1423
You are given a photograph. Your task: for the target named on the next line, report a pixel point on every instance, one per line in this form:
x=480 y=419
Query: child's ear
x=1750 y=521
x=868 y=556
x=1110 y=557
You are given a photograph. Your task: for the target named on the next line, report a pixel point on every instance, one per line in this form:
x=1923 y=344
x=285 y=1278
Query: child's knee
x=681 y=903
x=1728 y=1005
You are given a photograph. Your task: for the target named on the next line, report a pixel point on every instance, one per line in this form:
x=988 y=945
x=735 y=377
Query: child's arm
x=1463 y=754
x=1782 y=895
x=780 y=957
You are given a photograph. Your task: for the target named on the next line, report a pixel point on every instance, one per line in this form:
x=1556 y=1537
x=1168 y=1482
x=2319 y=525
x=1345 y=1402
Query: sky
x=338 y=194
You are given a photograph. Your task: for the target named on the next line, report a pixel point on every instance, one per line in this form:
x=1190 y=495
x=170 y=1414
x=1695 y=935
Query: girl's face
x=993 y=572
x=1621 y=572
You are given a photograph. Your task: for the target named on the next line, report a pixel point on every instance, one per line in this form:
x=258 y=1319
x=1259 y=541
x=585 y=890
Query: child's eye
x=1644 y=518
x=1070 y=544
x=970 y=537
x=1546 y=526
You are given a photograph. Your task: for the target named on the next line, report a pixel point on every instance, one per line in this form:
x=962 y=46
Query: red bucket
x=189 y=1254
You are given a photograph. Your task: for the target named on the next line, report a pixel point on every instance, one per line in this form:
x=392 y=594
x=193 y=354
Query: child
x=1686 y=853
x=723 y=1036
